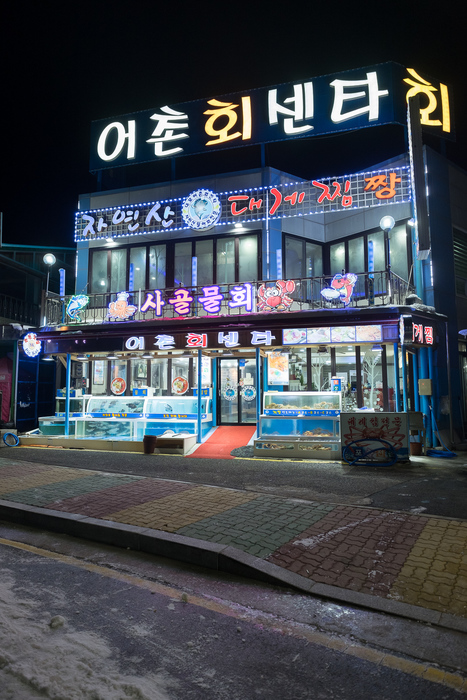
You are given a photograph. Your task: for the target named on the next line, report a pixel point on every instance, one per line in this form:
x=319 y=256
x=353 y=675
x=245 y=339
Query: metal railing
x=19 y=311
x=370 y=289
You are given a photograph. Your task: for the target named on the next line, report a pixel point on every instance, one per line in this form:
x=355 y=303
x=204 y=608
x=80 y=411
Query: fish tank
x=177 y=413
x=309 y=428
x=77 y=406
x=133 y=417
x=115 y=407
x=303 y=403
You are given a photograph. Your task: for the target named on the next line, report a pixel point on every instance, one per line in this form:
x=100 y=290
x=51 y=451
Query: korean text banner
x=344 y=101
x=358 y=191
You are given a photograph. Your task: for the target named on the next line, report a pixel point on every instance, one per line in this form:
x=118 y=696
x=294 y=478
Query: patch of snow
x=48 y=659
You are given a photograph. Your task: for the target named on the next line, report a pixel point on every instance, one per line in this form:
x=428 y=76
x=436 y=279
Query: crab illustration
x=276 y=298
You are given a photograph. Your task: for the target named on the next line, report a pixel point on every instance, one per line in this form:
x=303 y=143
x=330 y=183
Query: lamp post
x=386 y=224
x=49 y=259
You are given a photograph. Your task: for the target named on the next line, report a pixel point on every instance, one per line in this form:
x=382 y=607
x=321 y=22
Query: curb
x=214 y=556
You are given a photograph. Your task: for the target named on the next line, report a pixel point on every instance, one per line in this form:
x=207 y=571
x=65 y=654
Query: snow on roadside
x=44 y=657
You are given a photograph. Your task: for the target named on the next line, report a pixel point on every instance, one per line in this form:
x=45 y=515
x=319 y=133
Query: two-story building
x=199 y=301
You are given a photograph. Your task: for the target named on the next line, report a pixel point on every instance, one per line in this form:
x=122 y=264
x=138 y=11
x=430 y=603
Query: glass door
x=237 y=388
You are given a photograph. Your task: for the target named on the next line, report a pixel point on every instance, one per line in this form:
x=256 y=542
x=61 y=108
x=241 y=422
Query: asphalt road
x=425 y=485
x=81 y=623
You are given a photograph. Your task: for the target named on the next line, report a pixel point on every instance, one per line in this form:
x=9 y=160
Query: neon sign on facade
x=328 y=104
x=203 y=209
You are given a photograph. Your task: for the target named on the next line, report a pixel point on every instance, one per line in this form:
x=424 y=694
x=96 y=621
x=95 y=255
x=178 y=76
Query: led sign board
x=327 y=104
x=414 y=330
x=358 y=191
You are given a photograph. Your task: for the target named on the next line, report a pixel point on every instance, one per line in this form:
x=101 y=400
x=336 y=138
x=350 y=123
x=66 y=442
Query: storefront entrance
x=237 y=391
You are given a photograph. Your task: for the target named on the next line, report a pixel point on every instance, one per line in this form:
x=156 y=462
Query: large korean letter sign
x=328 y=104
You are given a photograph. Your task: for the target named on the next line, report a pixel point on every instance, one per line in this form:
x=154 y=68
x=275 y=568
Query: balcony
x=13 y=310
x=231 y=300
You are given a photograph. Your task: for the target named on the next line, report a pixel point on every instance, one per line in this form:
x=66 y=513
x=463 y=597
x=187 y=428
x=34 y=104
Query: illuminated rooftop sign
x=327 y=104
x=359 y=191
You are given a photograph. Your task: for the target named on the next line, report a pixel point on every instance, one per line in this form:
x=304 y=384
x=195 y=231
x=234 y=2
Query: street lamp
x=49 y=259
x=386 y=224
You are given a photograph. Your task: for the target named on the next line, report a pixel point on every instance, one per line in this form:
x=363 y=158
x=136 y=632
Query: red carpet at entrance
x=225 y=439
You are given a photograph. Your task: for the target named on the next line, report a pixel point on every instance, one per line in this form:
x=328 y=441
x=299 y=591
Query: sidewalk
x=401 y=563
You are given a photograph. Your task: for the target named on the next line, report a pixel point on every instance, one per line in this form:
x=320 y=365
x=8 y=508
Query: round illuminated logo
x=201 y=210
x=31 y=345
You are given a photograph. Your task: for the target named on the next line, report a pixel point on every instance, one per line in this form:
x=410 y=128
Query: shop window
x=320 y=369
x=183 y=264
x=247 y=258
x=372 y=377
x=379 y=255
x=398 y=251
x=226 y=261
x=118 y=370
x=159 y=370
x=298 y=370
x=205 y=262
x=99 y=274
x=139 y=374
x=99 y=378
x=302 y=258
x=180 y=376
x=206 y=379
x=356 y=255
x=391 y=378
x=137 y=276
x=118 y=267
x=346 y=370
x=219 y=261
x=157 y=266
x=337 y=258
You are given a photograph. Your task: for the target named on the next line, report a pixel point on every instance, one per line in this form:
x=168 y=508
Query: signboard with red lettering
x=415 y=330
x=203 y=209
x=367 y=436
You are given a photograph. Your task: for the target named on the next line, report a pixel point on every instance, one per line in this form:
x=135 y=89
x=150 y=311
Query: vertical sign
x=279 y=263
x=417 y=167
x=61 y=272
x=371 y=268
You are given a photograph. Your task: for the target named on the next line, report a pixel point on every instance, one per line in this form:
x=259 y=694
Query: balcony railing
x=18 y=311
x=370 y=289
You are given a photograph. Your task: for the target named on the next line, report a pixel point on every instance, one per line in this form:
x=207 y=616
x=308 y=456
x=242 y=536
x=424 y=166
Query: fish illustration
x=75 y=305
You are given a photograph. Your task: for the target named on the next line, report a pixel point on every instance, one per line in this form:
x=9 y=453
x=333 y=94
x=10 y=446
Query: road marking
x=421 y=670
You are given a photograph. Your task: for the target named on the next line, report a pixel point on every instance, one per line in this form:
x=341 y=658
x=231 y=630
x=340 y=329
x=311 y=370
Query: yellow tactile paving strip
x=176 y=511
x=435 y=572
x=32 y=481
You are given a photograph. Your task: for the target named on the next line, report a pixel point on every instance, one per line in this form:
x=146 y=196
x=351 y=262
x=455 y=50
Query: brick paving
x=416 y=559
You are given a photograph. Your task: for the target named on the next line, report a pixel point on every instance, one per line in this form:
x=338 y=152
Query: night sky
x=66 y=64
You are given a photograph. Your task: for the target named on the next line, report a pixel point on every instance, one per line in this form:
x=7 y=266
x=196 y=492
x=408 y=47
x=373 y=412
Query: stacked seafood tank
x=300 y=424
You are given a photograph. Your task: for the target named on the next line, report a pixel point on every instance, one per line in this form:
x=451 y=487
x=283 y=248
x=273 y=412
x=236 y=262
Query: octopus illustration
x=121 y=308
x=341 y=288
x=276 y=298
